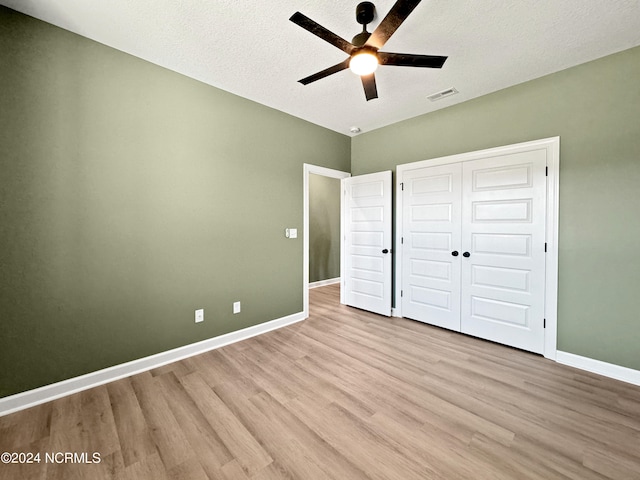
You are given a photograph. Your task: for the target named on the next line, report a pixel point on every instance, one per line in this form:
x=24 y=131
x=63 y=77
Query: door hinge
x=402 y=293
x=402 y=186
x=402 y=240
x=544 y=323
x=546 y=171
x=545 y=247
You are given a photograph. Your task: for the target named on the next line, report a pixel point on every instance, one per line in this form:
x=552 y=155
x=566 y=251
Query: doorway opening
x=320 y=252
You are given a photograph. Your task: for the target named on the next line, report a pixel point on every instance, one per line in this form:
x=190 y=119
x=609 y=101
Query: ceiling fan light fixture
x=364 y=63
x=363 y=51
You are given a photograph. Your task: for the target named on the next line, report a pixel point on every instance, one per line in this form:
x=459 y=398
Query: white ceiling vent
x=444 y=93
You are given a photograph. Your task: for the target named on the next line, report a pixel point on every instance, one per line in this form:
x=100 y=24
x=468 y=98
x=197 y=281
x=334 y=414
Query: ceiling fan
x=364 y=50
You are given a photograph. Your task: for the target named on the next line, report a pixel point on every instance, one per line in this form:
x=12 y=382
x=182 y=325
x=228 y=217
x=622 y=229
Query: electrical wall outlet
x=200 y=315
x=236 y=307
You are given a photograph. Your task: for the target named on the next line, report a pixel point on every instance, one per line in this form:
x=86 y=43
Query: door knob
x=385 y=251
x=454 y=253
x=466 y=254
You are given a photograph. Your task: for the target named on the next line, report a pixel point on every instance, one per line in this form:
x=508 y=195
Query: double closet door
x=473 y=243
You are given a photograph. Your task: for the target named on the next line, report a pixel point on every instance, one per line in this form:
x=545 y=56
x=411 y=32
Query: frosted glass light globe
x=363 y=63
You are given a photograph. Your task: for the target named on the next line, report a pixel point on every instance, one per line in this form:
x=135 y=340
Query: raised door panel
x=431 y=232
x=503 y=230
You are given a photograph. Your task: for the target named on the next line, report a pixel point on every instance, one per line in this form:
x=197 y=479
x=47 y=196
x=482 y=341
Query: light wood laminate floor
x=344 y=395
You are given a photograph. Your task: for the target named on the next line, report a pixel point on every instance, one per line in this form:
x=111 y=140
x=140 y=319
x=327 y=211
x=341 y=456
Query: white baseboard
x=610 y=370
x=31 y=398
x=324 y=283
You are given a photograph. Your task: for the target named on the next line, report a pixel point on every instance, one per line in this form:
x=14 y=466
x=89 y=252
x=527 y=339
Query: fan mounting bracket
x=365 y=12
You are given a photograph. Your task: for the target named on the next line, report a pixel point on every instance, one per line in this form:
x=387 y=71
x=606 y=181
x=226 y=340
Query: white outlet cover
x=236 y=307
x=200 y=315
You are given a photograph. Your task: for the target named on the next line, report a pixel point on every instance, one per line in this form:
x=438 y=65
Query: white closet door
x=503 y=235
x=431 y=245
x=367 y=241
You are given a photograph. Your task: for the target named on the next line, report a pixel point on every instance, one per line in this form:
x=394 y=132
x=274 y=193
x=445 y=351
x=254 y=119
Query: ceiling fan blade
x=369 y=84
x=319 y=31
x=326 y=72
x=410 y=60
x=389 y=24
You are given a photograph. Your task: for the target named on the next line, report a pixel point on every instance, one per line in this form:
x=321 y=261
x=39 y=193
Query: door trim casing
x=325 y=172
x=552 y=146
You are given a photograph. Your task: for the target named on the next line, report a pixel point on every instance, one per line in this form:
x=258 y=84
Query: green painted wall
x=595 y=109
x=324 y=228
x=130 y=196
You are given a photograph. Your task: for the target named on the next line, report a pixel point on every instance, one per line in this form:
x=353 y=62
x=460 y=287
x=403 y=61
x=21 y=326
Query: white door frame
x=325 y=172
x=552 y=145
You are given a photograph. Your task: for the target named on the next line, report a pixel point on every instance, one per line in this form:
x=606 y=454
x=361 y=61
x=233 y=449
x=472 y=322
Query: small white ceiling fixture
x=257 y=53
x=442 y=94
x=355 y=130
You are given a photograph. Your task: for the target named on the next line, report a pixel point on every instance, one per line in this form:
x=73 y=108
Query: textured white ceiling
x=252 y=49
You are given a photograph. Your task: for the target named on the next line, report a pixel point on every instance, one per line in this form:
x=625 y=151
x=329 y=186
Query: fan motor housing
x=365 y=12
x=360 y=39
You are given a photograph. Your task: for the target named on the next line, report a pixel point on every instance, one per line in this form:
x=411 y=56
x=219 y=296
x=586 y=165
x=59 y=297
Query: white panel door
x=503 y=244
x=431 y=199
x=367 y=242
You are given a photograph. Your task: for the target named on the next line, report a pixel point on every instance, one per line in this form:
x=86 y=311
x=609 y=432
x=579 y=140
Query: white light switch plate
x=236 y=307
x=200 y=315
x=291 y=232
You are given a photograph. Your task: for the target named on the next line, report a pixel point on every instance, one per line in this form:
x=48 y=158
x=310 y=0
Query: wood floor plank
x=533 y=450
x=363 y=446
x=133 y=433
x=165 y=431
x=179 y=369
x=521 y=412
x=244 y=448
x=273 y=471
x=447 y=452
x=25 y=427
x=205 y=442
x=98 y=423
x=149 y=467
x=215 y=368
x=25 y=471
x=612 y=464
x=233 y=471
x=314 y=457
x=84 y=425
x=189 y=470
x=282 y=443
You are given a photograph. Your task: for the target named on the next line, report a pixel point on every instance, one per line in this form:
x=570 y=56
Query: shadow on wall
x=324 y=228
x=320 y=245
